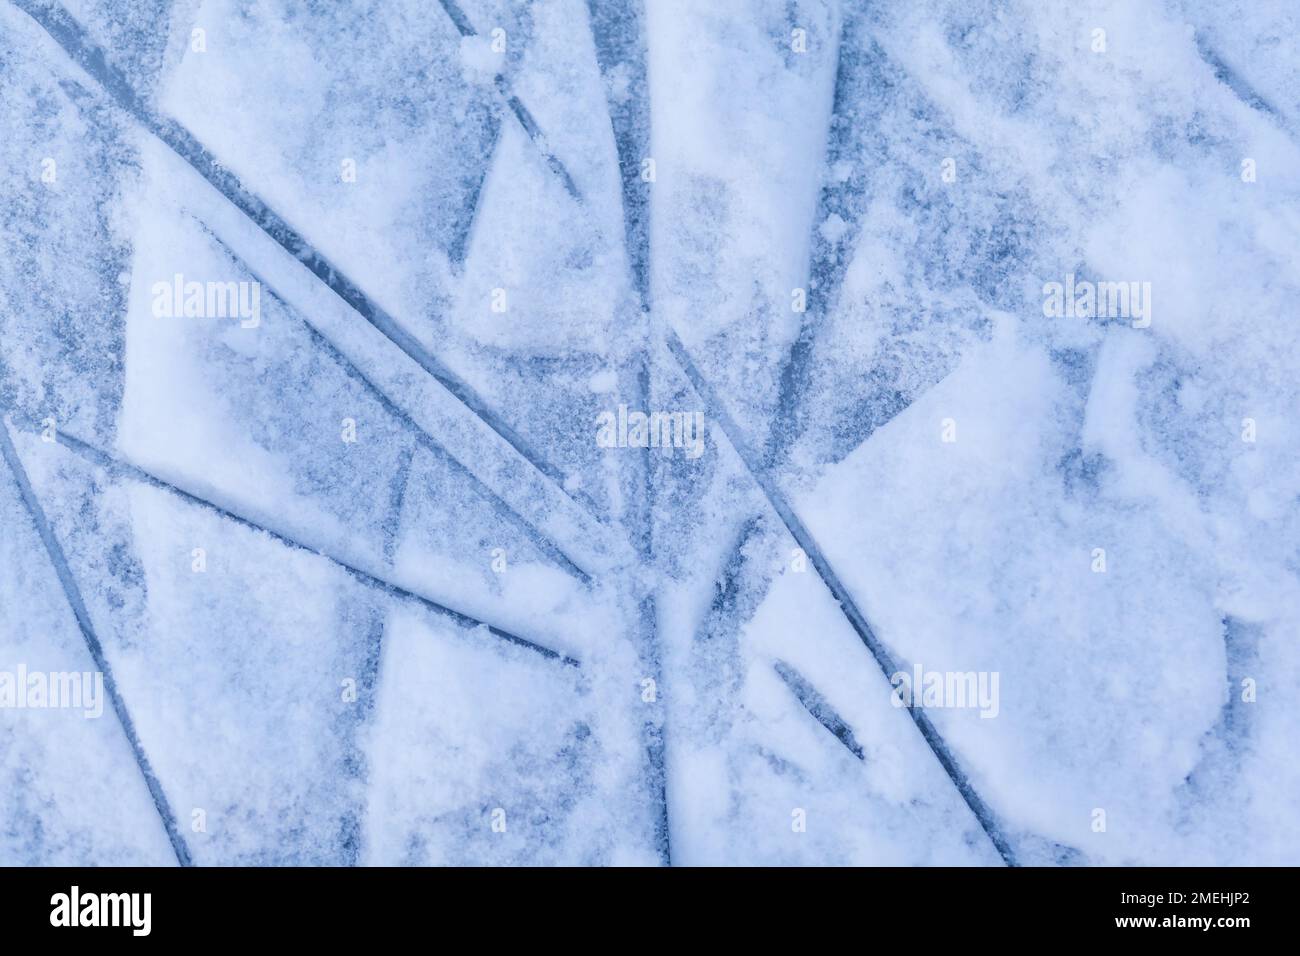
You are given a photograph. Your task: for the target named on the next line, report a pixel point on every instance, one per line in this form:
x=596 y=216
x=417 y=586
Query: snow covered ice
x=351 y=361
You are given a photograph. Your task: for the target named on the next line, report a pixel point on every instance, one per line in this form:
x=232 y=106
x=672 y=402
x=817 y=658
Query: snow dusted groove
x=537 y=136
x=460 y=246
x=459 y=18
x=654 y=724
x=121 y=468
x=841 y=594
x=466 y=28
x=426 y=441
x=1235 y=82
x=816 y=704
x=727 y=585
x=825 y=277
x=618 y=34
x=652 y=733
x=727 y=602
x=785 y=418
x=59 y=562
x=397 y=502
x=68 y=34
x=357 y=758
x=825 y=274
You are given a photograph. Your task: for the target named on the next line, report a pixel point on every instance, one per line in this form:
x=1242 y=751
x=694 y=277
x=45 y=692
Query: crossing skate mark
x=356 y=761
x=422 y=437
x=466 y=28
x=621 y=23
x=124 y=469
x=853 y=144
x=860 y=62
x=816 y=704
x=535 y=134
x=618 y=33
x=459 y=245
x=849 y=607
x=69 y=35
x=72 y=593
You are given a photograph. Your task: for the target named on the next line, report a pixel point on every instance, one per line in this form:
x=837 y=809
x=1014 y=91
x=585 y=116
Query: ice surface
x=370 y=589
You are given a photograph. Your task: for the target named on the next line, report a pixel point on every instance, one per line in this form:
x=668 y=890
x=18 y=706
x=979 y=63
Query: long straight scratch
x=72 y=37
x=551 y=548
x=72 y=593
x=121 y=468
x=803 y=537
